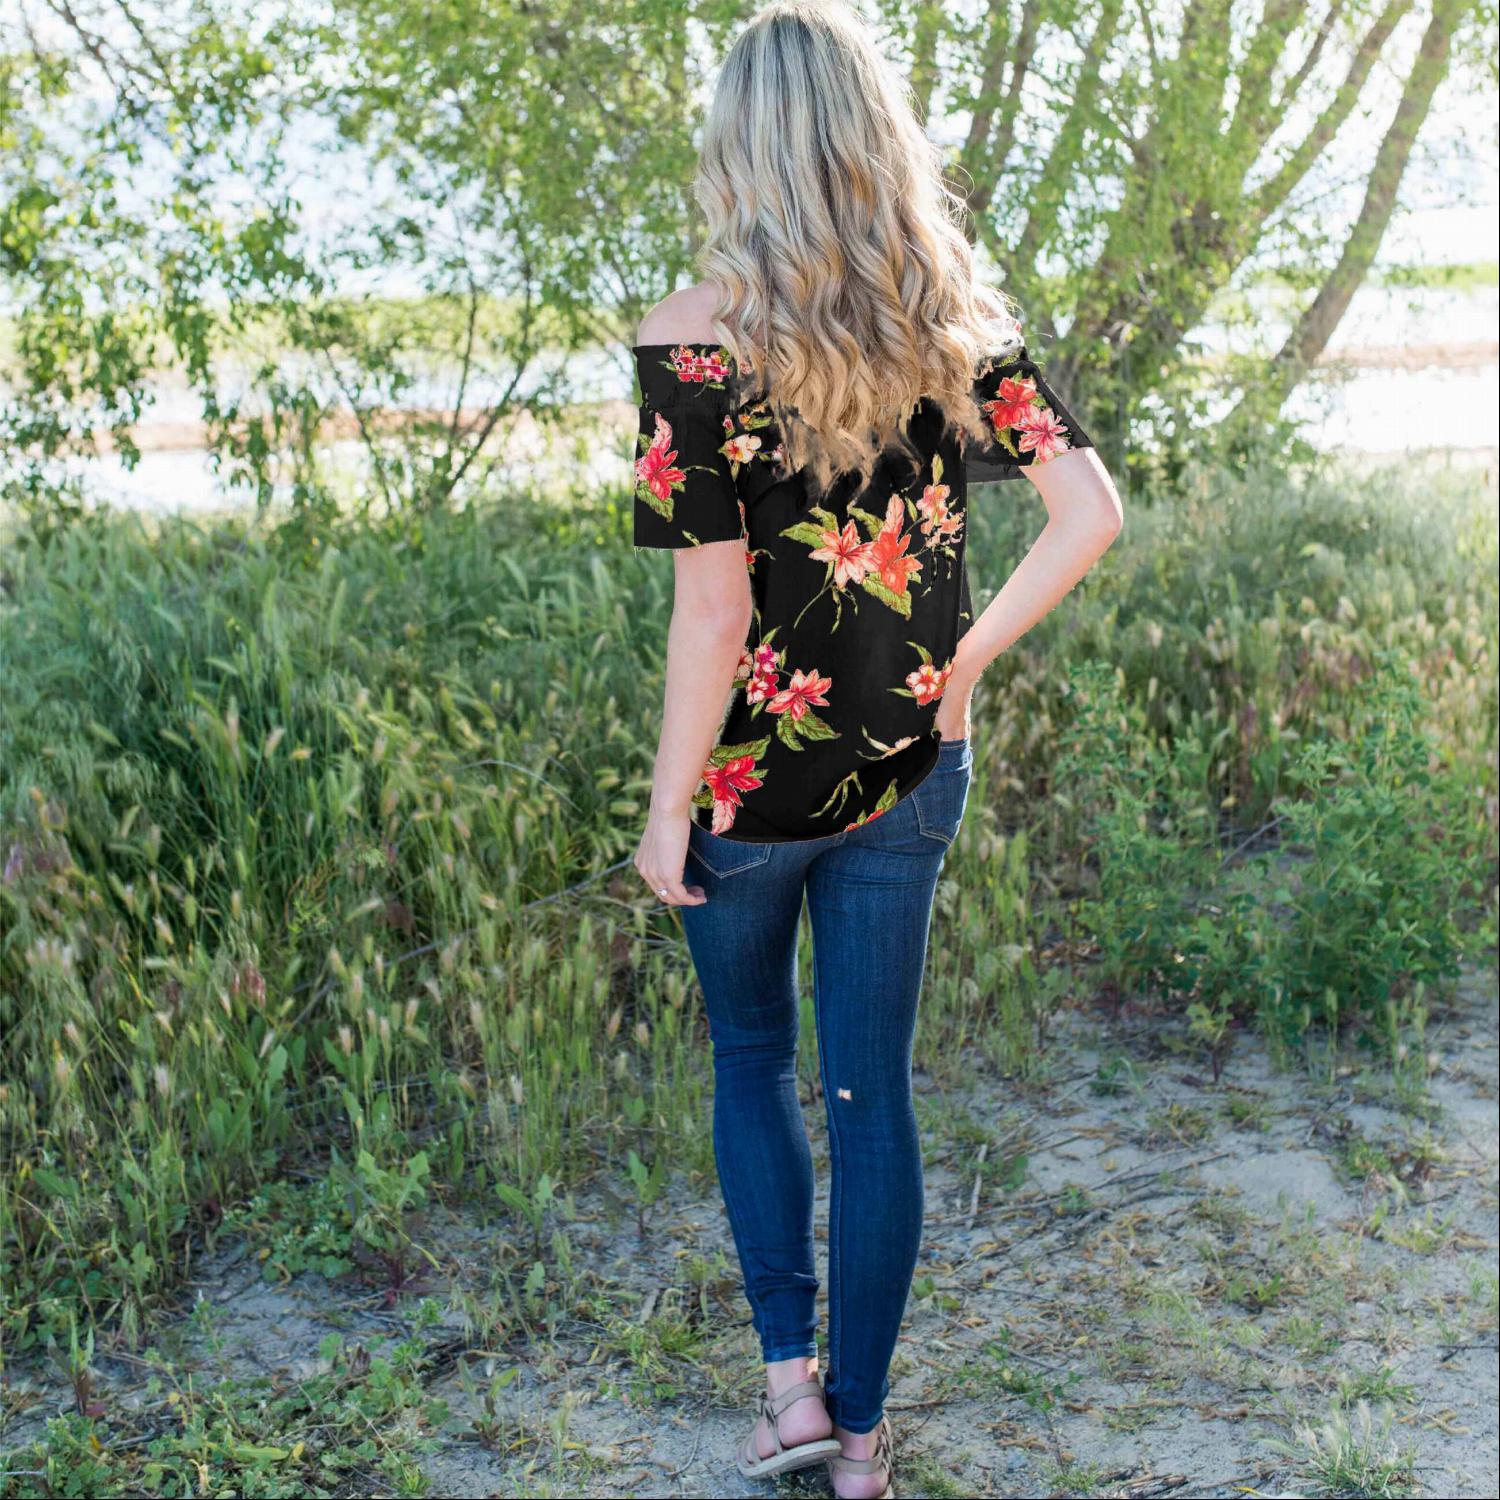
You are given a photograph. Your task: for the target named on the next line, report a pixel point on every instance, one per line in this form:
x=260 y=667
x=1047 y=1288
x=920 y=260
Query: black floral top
x=860 y=591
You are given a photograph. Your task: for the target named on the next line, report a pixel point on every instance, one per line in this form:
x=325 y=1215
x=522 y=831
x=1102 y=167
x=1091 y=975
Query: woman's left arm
x=711 y=610
x=1084 y=516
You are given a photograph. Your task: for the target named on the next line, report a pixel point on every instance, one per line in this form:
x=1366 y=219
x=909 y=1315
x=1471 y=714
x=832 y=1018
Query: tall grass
x=314 y=845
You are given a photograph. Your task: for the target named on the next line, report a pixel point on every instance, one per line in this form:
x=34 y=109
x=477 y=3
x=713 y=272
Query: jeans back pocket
x=939 y=799
x=724 y=857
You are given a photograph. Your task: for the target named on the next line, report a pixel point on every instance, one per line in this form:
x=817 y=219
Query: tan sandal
x=884 y=1459
x=821 y=1450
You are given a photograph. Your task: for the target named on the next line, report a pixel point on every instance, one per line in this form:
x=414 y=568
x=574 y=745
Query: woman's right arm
x=711 y=610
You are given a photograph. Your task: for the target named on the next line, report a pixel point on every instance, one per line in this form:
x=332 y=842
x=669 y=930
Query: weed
x=1351 y=1454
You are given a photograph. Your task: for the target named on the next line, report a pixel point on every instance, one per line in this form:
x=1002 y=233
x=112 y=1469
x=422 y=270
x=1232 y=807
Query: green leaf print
x=806 y=533
x=721 y=755
x=840 y=795
x=901 y=603
x=663 y=508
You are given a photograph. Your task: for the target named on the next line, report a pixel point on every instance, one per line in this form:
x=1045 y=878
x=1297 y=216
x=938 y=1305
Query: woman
x=810 y=414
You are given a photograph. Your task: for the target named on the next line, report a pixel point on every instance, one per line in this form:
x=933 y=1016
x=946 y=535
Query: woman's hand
x=661 y=859
x=953 y=707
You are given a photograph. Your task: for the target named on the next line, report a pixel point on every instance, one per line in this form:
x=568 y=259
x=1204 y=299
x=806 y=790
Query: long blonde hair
x=847 y=286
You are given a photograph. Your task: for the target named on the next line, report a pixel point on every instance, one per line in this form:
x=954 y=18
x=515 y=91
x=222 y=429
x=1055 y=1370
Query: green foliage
x=395 y=224
x=1347 y=919
x=357 y=222
x=310 y=841
x=359 y=1424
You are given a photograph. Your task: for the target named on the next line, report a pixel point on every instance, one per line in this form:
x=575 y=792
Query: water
x=1437 y=386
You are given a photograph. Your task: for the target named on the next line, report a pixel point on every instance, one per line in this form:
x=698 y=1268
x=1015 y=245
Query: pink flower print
x=1013 y=400
x=804 y=691
x=688 y=365
x=1042 y=435
x=745 y=667
x=939 y=523
x=927 y=682
x=850 y=556
x=763 y=675
x=654 y=468
x=695 y=368
x=741 y=449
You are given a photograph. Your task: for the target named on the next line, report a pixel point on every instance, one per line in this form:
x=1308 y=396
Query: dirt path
x=1136 y=1282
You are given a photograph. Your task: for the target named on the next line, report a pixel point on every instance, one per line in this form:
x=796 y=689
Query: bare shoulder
x=684 y=317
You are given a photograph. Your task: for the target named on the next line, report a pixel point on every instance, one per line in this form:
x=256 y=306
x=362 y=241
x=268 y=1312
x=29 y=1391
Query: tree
x=519 y=188
x=1127 y=165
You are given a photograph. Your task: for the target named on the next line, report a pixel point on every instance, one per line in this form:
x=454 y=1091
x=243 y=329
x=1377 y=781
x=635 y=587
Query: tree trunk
x=1316 y=326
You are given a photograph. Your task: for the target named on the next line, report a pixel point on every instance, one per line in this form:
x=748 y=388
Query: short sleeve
x=685 y=461
x=1026 y=422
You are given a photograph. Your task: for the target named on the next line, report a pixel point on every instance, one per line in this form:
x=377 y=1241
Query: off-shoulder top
x=860 y=591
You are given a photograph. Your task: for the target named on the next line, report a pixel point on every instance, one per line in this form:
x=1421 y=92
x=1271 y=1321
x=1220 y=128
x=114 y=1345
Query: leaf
x=663 y=508
x=786 y=731
x=50 y=1182
x=872 y=524
x=804 y=531
x=723 y=754
x=812 y=727
x=901 y=603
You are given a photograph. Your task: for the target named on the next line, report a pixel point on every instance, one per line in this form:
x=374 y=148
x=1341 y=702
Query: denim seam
x=752 y=1296
x=922 y=828
x=835 y=1195
x=748 y=864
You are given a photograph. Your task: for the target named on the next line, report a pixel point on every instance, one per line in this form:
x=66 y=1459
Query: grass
x=1353 y=1454
x=315 y=855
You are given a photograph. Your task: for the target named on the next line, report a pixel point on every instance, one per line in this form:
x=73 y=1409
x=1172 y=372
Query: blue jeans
x=869 y=894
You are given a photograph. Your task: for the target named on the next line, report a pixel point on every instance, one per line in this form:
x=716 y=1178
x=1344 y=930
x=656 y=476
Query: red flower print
x=745 y=667
x=654 y=468
x=804 y=691
x=698 y=368
x=726 y=782
x=1042 y=435
x=927 y=682
x=1013 y=401
x=688 y=365
x=887 y=555
x=763 y=674
x=850 y=556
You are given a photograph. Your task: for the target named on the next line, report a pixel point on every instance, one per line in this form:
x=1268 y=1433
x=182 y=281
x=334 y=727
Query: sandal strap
x=882 y=1458
x=792 y=1394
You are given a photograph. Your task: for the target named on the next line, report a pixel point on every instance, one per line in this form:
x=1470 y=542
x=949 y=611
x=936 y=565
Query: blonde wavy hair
x=847 y=287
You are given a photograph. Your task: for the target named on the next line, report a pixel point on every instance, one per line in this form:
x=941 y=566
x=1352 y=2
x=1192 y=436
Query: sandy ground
x=1136 y=1281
